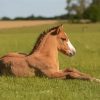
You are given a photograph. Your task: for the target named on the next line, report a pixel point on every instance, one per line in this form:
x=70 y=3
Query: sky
x=24 y=8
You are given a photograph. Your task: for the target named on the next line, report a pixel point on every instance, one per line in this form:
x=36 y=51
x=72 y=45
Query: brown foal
x=43 y=59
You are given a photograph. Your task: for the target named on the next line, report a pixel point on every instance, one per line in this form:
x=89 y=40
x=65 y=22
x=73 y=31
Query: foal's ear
x=59 y=29
x=61 y=25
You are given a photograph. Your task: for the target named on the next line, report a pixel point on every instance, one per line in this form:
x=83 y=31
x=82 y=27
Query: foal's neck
x=48 y=48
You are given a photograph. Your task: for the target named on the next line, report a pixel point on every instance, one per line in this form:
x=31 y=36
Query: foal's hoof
x=96 y=80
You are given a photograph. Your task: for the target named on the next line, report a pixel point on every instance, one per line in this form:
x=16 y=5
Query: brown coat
x=43 y=59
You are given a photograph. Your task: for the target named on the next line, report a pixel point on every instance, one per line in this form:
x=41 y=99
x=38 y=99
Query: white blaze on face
x=71 y=50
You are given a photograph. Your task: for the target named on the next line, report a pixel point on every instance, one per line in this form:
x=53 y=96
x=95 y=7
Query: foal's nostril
x=71 y=53
x=74 y=52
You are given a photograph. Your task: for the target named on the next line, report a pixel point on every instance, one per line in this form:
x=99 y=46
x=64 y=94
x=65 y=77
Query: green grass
x=86 y=39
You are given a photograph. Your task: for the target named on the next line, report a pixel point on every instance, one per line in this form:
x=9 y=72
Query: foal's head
x=64 y=44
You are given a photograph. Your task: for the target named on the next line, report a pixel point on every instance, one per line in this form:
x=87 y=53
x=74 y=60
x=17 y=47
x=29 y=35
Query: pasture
x=85 y=38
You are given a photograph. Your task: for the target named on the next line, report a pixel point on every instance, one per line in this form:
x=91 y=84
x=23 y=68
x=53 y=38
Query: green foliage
x=86 y=39
x=5 y=18
x=75 y=10
x=32 y=17
x=93 y=13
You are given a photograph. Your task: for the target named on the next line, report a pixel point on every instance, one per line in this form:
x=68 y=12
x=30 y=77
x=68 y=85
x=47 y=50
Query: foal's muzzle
x=71 y=53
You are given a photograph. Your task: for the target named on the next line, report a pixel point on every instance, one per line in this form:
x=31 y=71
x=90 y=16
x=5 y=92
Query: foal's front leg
x=69 y=73
x=73 y=73
x=57 y=74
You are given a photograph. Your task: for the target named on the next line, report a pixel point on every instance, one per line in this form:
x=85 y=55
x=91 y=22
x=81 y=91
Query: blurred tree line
x=83 y=9
x=93 y=11
x=77 y=11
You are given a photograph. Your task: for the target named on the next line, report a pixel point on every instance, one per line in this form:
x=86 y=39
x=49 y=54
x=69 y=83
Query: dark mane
x=40 y=38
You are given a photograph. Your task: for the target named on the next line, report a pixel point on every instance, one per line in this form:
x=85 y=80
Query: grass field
x=86 y=39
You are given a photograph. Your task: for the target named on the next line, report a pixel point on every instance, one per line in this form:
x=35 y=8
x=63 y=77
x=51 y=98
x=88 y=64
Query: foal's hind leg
x=73 y=73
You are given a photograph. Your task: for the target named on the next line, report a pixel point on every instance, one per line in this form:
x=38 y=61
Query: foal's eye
x=64 y=39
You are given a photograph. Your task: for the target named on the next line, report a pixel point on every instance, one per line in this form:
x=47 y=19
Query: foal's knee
x=71 y=70
x=72 y=75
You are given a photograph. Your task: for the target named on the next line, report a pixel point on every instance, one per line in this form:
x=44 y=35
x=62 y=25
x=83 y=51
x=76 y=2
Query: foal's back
x=15 y=64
